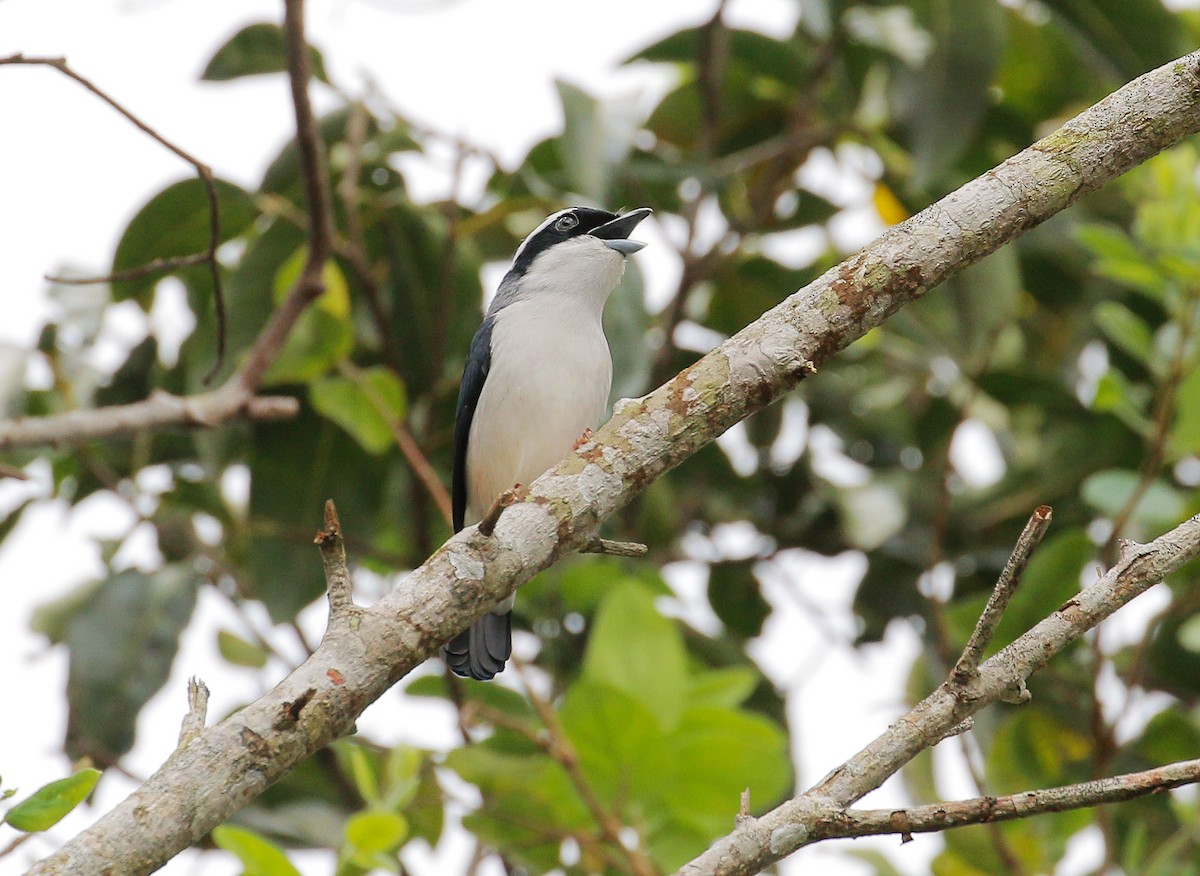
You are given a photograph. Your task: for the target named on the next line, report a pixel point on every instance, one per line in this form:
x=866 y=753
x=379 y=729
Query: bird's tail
x=480 y=650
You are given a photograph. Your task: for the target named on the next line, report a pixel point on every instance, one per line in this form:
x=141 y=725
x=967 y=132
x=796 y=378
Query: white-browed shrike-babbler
x=537 y=378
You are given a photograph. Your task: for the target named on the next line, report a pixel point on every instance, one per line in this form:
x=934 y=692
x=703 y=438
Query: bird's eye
x=566 y=223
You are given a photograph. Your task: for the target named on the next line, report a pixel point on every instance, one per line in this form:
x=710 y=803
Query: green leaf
x=323 y=335
x=1125 y=329
x=239 y=652
x=619 y=741
x=1185 y=430
x=122 y=641
x=1033 y=749
x=256 y=49
x=635 y=649
x=717 y=753
x=258 y=856
x=373 y=833
x=176 y=222
x=942 y=101
x=46 y=806
x=1110 y=491
x=1107 y=242
x=1128 y=37
x=727 y=687
x=362 y=771
x=369 y=405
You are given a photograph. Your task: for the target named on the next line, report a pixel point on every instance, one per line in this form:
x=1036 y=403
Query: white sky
x=72 y=173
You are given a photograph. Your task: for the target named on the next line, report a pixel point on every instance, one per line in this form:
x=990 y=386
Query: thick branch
x=235 y=760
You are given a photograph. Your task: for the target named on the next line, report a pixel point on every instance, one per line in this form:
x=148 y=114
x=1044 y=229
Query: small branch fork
x=235 y=397
x=967 y=666
x=208 y=257
x=823 y=811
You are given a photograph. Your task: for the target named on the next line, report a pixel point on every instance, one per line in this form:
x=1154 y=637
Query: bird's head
x=579 y=252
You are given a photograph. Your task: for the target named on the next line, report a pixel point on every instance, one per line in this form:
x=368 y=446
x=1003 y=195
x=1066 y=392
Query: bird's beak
x=615 y=233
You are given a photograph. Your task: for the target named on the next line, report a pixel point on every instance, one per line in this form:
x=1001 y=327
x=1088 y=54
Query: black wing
x=479 y=359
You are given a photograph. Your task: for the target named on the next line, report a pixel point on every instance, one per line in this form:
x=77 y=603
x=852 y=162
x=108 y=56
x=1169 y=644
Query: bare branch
x=984 y=810
x=1010 y=577
x=193 y=721
x=615 y=548
x=161 y=411
x=235 y=397
x=202 y=170
x=337 y=572
x=751 y=848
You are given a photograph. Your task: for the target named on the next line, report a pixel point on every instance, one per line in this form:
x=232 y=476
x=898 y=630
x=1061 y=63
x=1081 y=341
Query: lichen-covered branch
x=235 y=760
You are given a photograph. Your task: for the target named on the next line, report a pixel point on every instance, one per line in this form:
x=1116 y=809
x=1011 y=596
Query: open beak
x=615 y=233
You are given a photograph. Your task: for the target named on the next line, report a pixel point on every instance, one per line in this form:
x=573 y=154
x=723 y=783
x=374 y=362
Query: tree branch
x=968 y=664
x=753 y=847
x=209 y=256
x=234 y=398
x=985 y=810
x=232 y=762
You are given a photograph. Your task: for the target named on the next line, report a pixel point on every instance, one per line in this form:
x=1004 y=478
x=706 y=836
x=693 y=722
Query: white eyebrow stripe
x=545 y=224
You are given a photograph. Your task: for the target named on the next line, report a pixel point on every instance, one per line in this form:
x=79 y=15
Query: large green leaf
x=942 y=101
x=255 y=49
x=176 y=222
x=635 y=649
x=122 y=641
x=369 y=404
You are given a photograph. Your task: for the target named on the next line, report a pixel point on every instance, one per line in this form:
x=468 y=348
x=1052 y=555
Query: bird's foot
x=583 y=439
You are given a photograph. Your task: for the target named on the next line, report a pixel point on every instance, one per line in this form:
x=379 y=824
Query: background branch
x=209 y=257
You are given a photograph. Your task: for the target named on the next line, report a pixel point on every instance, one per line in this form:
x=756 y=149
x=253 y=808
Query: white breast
x=549 y=380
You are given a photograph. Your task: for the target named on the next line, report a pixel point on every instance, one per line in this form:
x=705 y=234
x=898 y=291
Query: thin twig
x=154 y=267
x=968 y=664
x=509 y=497
x=615 y=548
x=984 y=810
x=14 y=472
x=310 y=284
x=202 y=170
x=337 y=572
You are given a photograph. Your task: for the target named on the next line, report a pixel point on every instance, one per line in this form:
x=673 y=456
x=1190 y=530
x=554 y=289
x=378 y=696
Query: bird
x=536 y=380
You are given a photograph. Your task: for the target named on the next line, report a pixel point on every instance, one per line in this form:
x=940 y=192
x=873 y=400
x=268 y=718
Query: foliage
x=47 y=806
x=1075 y=352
